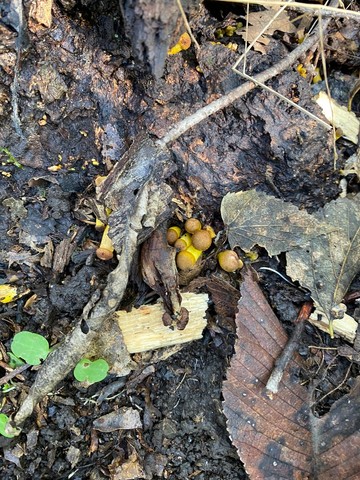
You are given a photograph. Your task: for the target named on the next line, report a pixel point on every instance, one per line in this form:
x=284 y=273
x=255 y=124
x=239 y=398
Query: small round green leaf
x=31 y=347
x=91 y=372
x=3 y=421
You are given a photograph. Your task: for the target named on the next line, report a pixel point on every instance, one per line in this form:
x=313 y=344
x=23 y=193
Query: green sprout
x=10 y=157
x=30 y=347
x=91 y=372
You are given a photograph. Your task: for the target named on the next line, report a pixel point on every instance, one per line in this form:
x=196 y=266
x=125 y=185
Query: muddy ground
x=82 y=97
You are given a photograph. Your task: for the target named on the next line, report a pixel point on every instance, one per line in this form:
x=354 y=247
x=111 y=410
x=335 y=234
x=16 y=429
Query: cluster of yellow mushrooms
x=194 y=241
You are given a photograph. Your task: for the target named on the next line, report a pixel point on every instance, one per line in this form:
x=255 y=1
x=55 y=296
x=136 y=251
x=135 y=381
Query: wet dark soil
x=83 y=97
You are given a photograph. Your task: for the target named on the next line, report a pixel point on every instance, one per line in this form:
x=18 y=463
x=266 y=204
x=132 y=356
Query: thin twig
x=201 y=114
x=272 y=384
x=323 y=62
x=13 y=373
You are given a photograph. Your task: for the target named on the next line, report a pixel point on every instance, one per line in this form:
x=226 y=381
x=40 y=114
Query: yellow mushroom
x=183 y=44
x=106 y=248
x=186 y=259
x=183 y=242
x=192 y=225
x=172 y=234
x=229 y=261
x=202 y=240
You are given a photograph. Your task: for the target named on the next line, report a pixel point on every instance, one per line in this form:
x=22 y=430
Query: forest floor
x=82 y=101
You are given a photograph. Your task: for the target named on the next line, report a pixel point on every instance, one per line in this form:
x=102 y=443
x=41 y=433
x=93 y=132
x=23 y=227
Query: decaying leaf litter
x=194 y=158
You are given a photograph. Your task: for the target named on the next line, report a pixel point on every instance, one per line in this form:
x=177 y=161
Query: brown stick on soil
x=286 y=355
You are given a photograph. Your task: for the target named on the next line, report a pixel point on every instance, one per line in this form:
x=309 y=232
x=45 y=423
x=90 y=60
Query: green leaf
x=31 y=347
x=10 y=158
x=91 y=372
x=15 y=361
x=4 y=419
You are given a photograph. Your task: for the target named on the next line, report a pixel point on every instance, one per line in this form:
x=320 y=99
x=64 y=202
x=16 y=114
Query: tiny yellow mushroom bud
x=252 y=256
x=202 y=240
x=186 y=259
x=192 y=225
x=183 y=44
x=172 y=234
x=229 y=261
x=106 y=248
x=183 y=242
x=210 y=230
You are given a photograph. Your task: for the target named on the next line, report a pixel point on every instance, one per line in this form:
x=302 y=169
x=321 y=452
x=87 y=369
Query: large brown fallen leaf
x=258 y=20
x=254 y=218
x=280 y=438
x=327 y=264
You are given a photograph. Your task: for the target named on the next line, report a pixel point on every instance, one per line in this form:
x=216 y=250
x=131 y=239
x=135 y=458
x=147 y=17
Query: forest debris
x=339 y=116
x=257 y=22
x=40 y=12
x=130 y=469
x=281 y=438
x=49 y=82
x=352 y=165
x=159 y=272
x=62 y=254
x=254 y=218
x=73 y=455
x=143 y=328
x=138 y=176
x=327 y=264
x=344 y=327
x=123 y=419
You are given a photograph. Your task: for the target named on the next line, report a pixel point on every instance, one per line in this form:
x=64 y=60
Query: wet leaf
x=339 y=116
x=328 y=263
x=254 y=218
x=8 y=293
x=280 y=438
x=258 y=20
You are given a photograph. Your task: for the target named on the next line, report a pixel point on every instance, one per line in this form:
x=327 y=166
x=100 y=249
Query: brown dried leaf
x=254 y=218
x=125 y=418
x=258 y=20
x=328 y=263
x=280 y=438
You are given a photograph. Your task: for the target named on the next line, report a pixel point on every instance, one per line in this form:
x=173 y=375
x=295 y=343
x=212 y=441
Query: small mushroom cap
x=172 y=234
x=202 y=240
x=229 y=261
x=104 y=254
x=192 y=225
x=185 y=41
x=185 y=260
x=183 y=242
